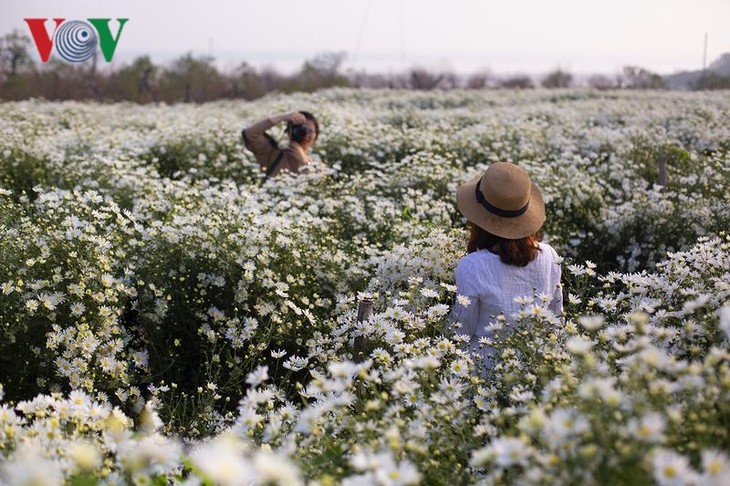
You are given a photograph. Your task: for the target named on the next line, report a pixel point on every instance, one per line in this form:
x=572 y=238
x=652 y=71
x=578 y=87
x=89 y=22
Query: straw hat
x=503 y=201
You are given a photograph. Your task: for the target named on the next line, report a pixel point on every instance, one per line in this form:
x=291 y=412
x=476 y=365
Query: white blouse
x=495 y=288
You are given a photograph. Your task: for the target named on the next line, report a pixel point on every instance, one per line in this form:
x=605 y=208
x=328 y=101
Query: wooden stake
x=662 y=180
x=364 y=313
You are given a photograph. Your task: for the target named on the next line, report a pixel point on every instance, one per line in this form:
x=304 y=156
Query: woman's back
x=492 y=287
x=505 y=210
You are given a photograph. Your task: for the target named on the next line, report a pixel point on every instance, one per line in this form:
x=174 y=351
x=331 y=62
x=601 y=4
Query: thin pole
x=362 y=31
x=402 y=41
x=704 y=56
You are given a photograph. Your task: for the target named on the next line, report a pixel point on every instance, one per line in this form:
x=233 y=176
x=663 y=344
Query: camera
x=298 y=132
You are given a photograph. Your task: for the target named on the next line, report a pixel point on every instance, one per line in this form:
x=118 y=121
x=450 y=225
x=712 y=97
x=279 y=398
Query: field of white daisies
x=166 y=319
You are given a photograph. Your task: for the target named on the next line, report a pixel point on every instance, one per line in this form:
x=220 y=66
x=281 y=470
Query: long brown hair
x=518 y=252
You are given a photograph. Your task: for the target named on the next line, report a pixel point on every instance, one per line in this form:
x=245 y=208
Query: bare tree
x=326 y=63
x=321 y=72
x=640 y=78
x=602 y=82
x=449 y=81
x=270 y=78
x=423 y=79
x=246 y=83
x=519 y=81
x=135 y=82
x=712 y=80
x=478 y=80
x=362 y=79
x=14 y=53
x=192 y=79
x=558 y=79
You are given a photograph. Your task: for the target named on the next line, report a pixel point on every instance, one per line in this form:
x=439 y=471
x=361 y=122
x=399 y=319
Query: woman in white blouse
x=505 y=265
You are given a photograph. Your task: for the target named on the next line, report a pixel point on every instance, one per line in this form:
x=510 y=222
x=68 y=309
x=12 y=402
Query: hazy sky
x=504 y=36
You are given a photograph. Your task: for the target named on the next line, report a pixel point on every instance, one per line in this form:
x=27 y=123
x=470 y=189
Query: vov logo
x=75 y=40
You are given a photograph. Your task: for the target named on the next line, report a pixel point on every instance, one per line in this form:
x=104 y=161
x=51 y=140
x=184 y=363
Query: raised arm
x=263 y=145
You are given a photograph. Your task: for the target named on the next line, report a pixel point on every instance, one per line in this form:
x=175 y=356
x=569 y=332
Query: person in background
x=302 y=129
x=504 y=259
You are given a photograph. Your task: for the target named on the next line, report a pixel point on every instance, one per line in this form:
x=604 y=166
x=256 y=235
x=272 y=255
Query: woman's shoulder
x=476 y=260
x=548 y=252
x=474 y=271
x=478 y=256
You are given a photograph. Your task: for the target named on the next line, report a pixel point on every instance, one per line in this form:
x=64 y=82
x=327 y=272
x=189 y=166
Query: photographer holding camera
x=301 y=127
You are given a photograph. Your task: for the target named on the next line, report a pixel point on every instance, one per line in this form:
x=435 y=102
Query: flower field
x=165 y=318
